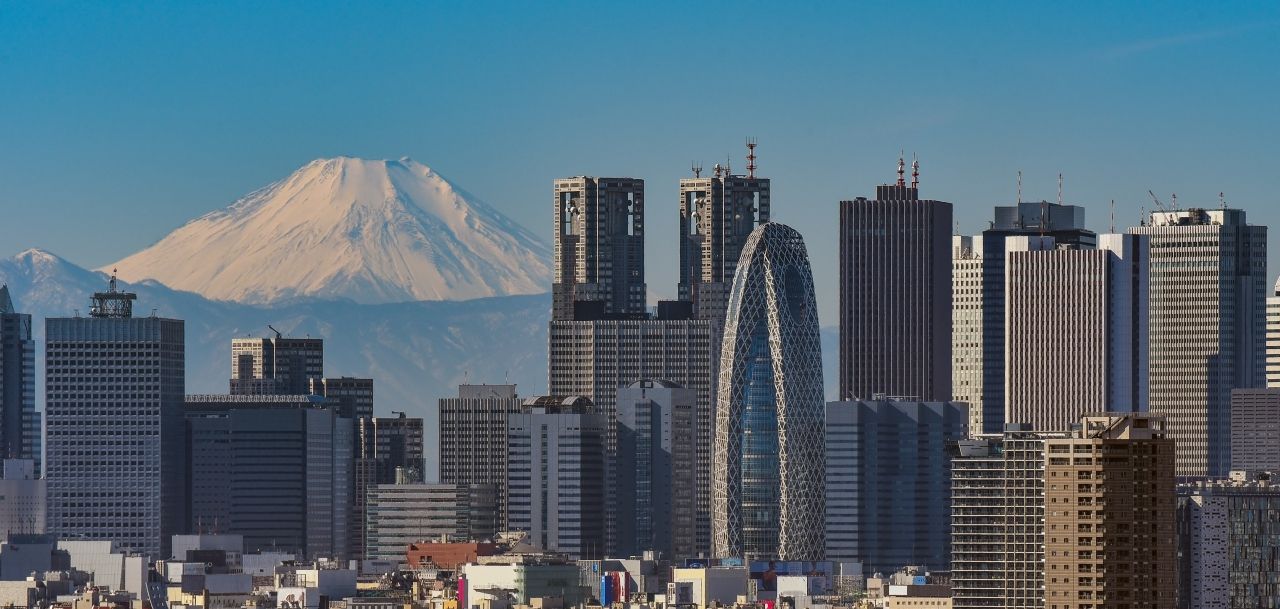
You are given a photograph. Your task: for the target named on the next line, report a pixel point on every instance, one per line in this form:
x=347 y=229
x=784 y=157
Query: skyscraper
x=769 y=453
x=473 y=437
x=1208 y=297
x=599 y=248
x=968 y=327
x=978 y=367
x=1255 y=429
x=114 y=387
x=354 y=396
x=895 y=294
x=556 y=475
x=1075 y=329
x=277 y=365
x=1110 y=514
x=383 y=446
x=888 y=482
x=717 y=214
x=276 y=469
x=656 y=469
x=20 y=432
x=997 y=519
x=1273 y=337
x=1228 y=540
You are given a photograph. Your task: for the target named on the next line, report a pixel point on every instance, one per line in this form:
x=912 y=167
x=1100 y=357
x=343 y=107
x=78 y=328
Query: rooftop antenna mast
x=902 y=169
x=1059 y=188
x=697 y=169
x=751 y=157
x=1019 y=187
x=1113 y=216
x=728 y=161
x=915 y=171
x=1222 y=200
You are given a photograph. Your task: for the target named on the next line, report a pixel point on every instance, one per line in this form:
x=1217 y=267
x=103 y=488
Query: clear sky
x=119 y=123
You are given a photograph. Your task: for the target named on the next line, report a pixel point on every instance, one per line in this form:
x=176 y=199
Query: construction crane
x=1159 y=205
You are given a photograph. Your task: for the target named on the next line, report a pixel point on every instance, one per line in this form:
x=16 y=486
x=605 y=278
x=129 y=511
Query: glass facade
x=768 y=495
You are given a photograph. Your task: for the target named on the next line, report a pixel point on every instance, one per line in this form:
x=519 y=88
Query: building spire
x=902 y=168
x=6 y=303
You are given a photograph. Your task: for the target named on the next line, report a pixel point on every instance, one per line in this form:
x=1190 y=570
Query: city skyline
x=1033 y=97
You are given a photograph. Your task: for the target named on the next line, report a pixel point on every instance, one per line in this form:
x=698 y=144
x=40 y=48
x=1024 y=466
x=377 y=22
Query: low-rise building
x=22 y=499
x=713 y=585
x=401 y=514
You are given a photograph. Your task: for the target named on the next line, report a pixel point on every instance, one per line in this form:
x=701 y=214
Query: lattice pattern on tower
x=768 y=490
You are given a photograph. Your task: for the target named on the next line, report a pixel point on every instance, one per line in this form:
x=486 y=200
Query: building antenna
x=1174 y=201
x=915 y=171
x=1222 y=200
x=1019 y=187
x=1142 y=215
x=1059 y=188
x=751 y=157
x=902 y=168
x=697 y=169
x=1044 y=212
x=1113 y=216
x=728 y=158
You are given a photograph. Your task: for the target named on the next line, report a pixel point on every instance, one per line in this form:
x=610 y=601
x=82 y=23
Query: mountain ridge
x=371 y=231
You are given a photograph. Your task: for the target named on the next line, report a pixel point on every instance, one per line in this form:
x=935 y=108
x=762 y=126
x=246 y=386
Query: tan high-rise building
x=1208 y=299
x=1110 y=514
x=1075 y=329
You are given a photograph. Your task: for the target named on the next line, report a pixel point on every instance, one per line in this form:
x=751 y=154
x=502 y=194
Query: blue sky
x=119 y=123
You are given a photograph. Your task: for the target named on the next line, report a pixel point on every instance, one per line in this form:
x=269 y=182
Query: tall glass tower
x=768 y=488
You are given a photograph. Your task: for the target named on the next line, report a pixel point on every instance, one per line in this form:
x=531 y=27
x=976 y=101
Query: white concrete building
x=109 y=567
x=1076 y=329
x=967 y=345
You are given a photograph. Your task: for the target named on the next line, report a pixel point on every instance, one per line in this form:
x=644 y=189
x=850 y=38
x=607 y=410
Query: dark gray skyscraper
x=768 y=492
x=895 y=294
x=1208 y=312
x=599 y=248
x=277 y=365
x=20 y=431
x=717 y=214
x=114 y=386
x=276 y=469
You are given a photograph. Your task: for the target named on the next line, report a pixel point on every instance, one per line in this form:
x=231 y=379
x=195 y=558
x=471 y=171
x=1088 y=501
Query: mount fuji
x=368 y=231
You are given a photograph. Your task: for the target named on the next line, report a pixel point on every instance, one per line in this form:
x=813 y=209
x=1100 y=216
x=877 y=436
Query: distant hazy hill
x=417 y=351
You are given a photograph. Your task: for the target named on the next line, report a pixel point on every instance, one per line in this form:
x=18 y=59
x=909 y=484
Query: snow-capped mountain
x=345 y=228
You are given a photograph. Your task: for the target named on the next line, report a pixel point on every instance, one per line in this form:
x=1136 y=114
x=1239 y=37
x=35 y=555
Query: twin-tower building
x=742 y=336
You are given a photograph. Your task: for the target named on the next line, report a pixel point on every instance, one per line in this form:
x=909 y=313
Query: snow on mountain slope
x=346 y=228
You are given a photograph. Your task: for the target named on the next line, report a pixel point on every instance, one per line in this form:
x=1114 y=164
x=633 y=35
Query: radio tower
x=915 y=171
x=751 y=157
x=902 y=169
